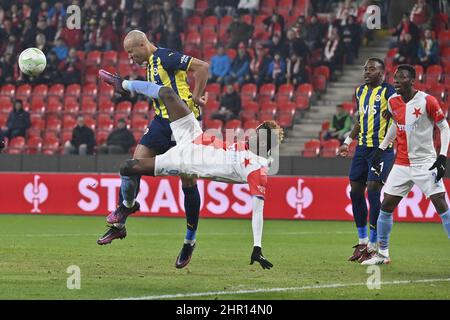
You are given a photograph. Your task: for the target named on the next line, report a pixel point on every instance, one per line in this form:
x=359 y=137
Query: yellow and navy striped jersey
x=168 y=68
x=371 y=103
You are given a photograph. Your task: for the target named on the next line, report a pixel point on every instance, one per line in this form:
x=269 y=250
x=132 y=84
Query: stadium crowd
x=273 y=53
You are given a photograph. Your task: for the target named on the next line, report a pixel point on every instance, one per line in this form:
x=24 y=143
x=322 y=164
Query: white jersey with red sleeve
x=201 y=155
x=415 y=122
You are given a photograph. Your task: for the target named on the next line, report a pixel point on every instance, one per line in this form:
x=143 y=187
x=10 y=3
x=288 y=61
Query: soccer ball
x=32 y=61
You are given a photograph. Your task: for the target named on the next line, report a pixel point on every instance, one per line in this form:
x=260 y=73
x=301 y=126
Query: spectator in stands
x=90 y=37
x=314 y=32
x=239 y=31
x=60 y=49
x=240 y=67
x=422 y=14
x=340 y=126
x=41 y=43
x=71 y=68
x=275 y=44
x=330 y=27
x=226 y=8
x=188 y=8
x=18 y=121
x=156 y=19
x=259 y=65
x=407 y=50
x=6 y=69
x=107 y=34
x=220 y=66
x=248 y=7
x=428 y=52
x=171 y=38
x=276 y=72
x=295 y=45
x=119 y=141
x=344 y=10
x=83 y=140
x=406 y=26
x=332 y=52
x=28 y=32
x=351 y=39
x=300 y=27
x=43 y=10
x=230 y=105
x=71 y=37
x=275 y=24
x=56 y=13
x=51 y=74
x=48 y=31
x=173 y=15
x=11 y=47
x=295 y=70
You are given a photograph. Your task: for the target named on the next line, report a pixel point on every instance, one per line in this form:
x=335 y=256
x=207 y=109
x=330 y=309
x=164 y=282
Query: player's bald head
x=135 y=38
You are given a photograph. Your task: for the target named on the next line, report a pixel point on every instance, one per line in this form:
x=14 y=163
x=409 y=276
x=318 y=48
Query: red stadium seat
x=208 y=53
x=260 y=33
x=3 y=119
x=88 y=108
x=193 y=23
x=104 y=122
x=106 y=106
x=66 y=135
x=56 y=90
x=433 y=74
x=288 y=107
x=213 y=90
x=54 y=104
x=193 y=38
x=37 y=105
x=91 y=74
x=349 y=107
x=302 y=102
x=231 y=53
x=50 y=146
x=285 y=119
x=106 y=90
x=23 y=92
x=268 y=111
x=16 y=145
x=81 y=56
x=287 y=90
x=322 y=70
x=249 y=111
x=437 y=90
x=266 y=92
x=33 y=133
x=71 y=106
x=124 y=106
x=210 y=23
x=8 y=90
x=141 y=107
x=73 y=90
x=211 y=106
x=214 y=124
x=90 y=122
x=267 y=6
x=311 y=148
x=419 y=72
x=352 y=148
x=90 y=89
x=209 y=39
x=101 y=136
x=124 y=58
x=69 y=122
x=37 y=121
x=34 y=145
x=330 y=148
x=233 y=124
x=124 y=70
x=248 y=92
x=201 y=5
x=139 y=122
x=325 y=125
x=137 y=134
x=109 y=58
x=93 y=58
x=40 y=90
x=251 y=124
x=53 y=124
x=5 y=104
x=247 y=18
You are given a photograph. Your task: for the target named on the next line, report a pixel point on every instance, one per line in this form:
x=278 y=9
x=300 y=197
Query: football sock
x=446 y=221
x=360 y=214
x=128 y=190
x=192 y=209
x=375 y=203
x=384 y=226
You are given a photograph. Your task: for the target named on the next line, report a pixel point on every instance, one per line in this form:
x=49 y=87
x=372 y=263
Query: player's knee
x=126 y=168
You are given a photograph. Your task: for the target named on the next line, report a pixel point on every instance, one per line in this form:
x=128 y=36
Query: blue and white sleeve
x=146 y=88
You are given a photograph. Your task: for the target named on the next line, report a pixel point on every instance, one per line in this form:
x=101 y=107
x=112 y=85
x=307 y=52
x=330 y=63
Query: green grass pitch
x=310 y=260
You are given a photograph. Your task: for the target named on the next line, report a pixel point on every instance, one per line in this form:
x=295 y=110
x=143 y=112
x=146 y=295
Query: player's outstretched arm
x=343 y=150
x=201 y=74
x=440 y=163
x=257 y=227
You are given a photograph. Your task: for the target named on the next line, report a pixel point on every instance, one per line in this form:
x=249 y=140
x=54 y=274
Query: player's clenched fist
x=258 y=257
x=440 y=165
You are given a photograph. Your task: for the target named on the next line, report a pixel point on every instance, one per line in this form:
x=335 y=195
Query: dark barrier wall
x=111 y=163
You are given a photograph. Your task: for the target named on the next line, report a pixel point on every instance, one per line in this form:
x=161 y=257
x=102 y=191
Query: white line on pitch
x=266 y=290
x=169 y=234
